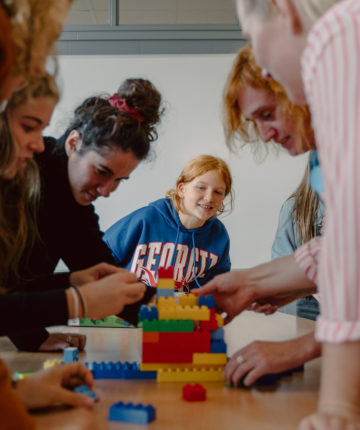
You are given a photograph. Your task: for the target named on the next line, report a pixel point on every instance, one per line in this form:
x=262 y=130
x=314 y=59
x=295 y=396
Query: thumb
x=70 y=398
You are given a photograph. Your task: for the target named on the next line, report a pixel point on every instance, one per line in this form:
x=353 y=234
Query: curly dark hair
x=103 y=126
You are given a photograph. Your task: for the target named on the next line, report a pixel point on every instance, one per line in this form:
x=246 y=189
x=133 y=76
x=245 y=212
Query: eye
x=102 y=172
x=200 y=187
x=27 y=128
x=220 y=193
x=266 y=116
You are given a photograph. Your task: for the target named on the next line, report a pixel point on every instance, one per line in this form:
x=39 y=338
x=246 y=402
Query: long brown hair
x=246 y=72
x=305 y=209
x=19 y=196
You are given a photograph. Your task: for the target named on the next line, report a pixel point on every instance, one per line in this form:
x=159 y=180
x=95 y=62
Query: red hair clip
x=119 y=103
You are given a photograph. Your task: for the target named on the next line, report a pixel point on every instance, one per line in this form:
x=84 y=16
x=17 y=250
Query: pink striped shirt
x=331 y=75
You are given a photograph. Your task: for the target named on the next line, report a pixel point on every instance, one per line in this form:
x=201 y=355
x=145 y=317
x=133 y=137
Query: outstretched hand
x=92 y=273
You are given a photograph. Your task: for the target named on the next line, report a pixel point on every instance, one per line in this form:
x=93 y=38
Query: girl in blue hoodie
x=181 y=230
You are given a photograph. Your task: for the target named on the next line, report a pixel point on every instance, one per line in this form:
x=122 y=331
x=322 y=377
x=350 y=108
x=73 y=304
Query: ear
x=290 y=14
x=73 y=142
x=180 y=189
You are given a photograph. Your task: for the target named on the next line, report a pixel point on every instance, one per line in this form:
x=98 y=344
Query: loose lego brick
x=70 y=354
x=188 y=300
x=218 y=346
x=190 y=375
x=217 y=334
x=150 y=337
x=130 y=413
x=194 y=393
x=51 y=362
x=119 y=370
x=176 y=326
x=208 y=301
x=148 y=313
x=166 y=273
x=209 y=359
x=164 y=292
x=84 y=389
x=148 y=326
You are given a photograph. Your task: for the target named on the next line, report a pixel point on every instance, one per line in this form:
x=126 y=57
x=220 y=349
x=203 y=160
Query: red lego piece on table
x=194 y=393
x=166 y=273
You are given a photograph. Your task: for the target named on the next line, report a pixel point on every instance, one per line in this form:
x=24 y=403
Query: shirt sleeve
x=331 y=70
x=285 y=237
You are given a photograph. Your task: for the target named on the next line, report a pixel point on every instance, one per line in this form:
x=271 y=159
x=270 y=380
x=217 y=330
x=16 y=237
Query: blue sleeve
x=285 y=237
x=123 y=237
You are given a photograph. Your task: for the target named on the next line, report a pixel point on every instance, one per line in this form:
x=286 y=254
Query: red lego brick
x=166 y=273
x=197 y=341
x=194 y=393
x=210 y=325
x=150 y=337
x=153 y=354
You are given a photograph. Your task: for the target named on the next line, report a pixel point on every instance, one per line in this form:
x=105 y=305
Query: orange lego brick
x=150 y=337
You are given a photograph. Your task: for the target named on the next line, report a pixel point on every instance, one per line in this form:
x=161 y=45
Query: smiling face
x=93 y=174
x=201 y=198
x=272 y=120
x=27 y=122
x=277 y=44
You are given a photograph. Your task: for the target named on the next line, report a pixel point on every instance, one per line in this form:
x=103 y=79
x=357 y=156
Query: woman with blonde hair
x=181 y=230
x=305 y=45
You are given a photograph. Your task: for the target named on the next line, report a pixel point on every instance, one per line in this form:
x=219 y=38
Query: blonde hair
x=19 y=196
x=199 y=166
x=6 y=45
x=36 y=24
x=305 y=208
x=246 y=73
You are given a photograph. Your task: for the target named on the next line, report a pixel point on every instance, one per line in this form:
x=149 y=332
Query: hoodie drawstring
x=195 y=277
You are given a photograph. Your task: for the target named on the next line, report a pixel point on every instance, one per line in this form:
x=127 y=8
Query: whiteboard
x=192 y=88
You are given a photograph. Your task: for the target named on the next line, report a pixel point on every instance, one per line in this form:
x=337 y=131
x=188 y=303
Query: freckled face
x=201 y=198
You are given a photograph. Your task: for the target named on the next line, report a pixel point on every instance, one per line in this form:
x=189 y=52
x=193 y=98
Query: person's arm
x=261 y=358
x=237 y=290
x=12 y=411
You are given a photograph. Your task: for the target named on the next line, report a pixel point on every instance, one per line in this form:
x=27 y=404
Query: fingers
x=106 y=269
x=76 y=370
x=75 y=399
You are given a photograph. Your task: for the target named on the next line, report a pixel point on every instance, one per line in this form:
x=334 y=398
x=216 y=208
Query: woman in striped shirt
x=313 y=48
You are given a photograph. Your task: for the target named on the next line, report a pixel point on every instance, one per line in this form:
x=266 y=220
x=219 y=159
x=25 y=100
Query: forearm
x=280 y=276
x=307 y=345
x=340 y=380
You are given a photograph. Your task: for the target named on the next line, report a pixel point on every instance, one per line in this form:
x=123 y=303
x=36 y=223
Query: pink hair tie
x=117 y=102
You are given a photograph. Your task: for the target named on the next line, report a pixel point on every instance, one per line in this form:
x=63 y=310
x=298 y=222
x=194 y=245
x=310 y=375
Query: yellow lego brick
x=190 y=375
x=165 y=303
x=193 y=313
x=167 y=314
x=219 y=320
x=209 y=359
x=168 y=284
x=188 y=300
x=51 y=363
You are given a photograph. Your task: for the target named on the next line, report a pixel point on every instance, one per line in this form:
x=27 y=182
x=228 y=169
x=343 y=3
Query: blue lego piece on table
x=208 y=301
x=84 y=389
x=148 y=313
x=119 y=370
x=130 y=413
x=70 y=354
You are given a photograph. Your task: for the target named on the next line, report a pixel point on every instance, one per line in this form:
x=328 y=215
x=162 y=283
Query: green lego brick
x=152 y=325
x=176 y=326
x=111 y=321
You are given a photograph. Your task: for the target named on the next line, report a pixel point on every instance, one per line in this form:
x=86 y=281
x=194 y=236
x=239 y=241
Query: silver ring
x=240 y=359
x=68 y=340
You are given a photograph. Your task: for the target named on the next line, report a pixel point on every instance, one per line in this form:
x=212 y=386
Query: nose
x=106 y=188
x=37 y=145
x=267 y=132
x=209 y=196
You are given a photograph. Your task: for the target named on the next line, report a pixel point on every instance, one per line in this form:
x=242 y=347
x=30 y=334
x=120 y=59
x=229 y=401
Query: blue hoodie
x=146 y=239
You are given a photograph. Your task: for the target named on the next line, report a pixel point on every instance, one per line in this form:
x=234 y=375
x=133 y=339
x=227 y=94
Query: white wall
x=192 y=89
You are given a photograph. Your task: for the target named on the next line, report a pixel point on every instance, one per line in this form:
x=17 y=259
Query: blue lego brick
x=119 y=370
x=291 y=371
x=130 y=413
x=217 y=334
x=163 y=292
x=148 y=313
x=208 y=301
x=218 y=346
x=70 y=354
x=84 y=389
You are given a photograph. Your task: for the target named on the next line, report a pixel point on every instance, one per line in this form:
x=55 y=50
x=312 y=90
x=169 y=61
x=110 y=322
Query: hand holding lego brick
x=52 y=386
x=109 y=295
